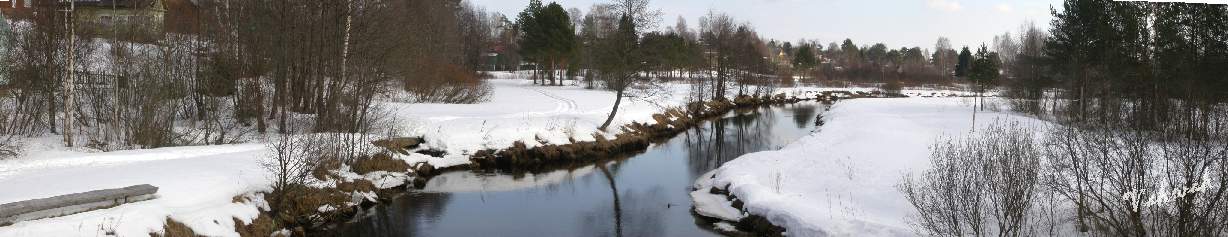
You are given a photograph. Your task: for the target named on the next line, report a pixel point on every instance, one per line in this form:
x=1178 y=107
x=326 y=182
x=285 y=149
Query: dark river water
x=642 y=195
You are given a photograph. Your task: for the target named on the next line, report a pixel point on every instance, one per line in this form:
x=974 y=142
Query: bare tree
x=640 y=11
x=717 y=32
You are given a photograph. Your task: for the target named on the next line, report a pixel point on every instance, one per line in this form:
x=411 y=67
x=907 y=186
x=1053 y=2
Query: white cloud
x=1004 y=8
x=945 y=5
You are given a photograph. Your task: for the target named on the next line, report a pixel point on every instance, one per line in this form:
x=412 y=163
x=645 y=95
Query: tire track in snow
x=567 y=105
x=10 y=168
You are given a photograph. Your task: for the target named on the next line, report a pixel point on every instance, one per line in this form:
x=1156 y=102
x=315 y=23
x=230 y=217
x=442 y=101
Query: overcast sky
x=893 y=22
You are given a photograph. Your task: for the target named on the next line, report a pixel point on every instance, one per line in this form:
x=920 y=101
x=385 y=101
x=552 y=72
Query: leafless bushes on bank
x=1101 y=177
x=979 y=185
x=1127 y=181
x=299 y=166
x=449 y=84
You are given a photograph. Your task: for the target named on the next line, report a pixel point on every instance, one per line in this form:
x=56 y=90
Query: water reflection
x=402 y=217
x=645 y=195
x=717 y=142
x=802 y=115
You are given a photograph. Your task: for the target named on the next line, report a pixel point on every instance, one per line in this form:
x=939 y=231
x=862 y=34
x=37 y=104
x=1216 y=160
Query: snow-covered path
x=196 y=187
x=841 y=180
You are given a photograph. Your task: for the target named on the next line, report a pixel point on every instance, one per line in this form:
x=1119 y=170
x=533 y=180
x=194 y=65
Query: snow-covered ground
x=841 y=180
x=196 y=187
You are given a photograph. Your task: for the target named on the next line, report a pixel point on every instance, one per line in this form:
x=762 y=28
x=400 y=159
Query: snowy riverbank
x=199 y=184
x=208 y=187
x=841 y=180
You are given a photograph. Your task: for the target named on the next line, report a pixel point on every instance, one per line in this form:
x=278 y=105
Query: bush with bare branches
x=985 y=184
x=1131 y=181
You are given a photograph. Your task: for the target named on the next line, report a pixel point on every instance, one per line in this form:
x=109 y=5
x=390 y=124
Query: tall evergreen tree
x=560 y=38
x=964 y=64
x=548 y=36
x=985 y=67
x=531 y=38
x=985 y=70
x=804 y=58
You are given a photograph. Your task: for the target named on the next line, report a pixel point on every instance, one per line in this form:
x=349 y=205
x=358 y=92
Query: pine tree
x=559 y=35
x=531 y=38
x=548 y=36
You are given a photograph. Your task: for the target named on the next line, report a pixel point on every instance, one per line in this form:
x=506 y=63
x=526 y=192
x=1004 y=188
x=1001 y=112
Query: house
x=147 y=20
x=14 y=3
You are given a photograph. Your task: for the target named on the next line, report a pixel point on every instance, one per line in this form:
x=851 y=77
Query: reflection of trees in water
x=630 y=213
x=618 y=210
x=714 y=143
x=401 y=217
x=803 y=113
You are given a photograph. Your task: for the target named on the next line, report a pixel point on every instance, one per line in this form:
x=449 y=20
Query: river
x=642 y=195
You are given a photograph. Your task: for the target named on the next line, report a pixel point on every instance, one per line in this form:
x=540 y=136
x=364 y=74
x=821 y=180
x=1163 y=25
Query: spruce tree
x=985 y=70
x=964 y=64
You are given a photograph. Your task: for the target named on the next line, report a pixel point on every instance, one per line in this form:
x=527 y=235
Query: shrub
x=448 y=83
x=891 y=87
x=986 y=184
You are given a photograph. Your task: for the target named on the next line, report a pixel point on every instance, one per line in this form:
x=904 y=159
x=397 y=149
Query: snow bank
x=841 y=180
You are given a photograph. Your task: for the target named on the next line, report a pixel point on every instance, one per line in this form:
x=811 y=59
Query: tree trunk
x=617 y=100
x=68 y=82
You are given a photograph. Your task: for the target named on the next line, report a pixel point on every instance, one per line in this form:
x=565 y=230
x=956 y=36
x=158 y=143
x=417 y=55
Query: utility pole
x=68 y=81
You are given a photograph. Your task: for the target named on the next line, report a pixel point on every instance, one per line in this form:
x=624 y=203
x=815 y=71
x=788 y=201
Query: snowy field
x=841 y=180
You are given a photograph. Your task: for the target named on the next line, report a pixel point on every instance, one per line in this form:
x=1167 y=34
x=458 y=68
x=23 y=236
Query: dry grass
x=262 y=226
x=360 y=185
x=323 y=170
x=172 y=228
x=379 y=162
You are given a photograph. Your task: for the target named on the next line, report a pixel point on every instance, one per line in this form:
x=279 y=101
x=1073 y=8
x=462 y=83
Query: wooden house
x=141 y=20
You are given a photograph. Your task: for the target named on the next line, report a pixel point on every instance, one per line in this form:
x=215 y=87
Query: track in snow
x=565 y=106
